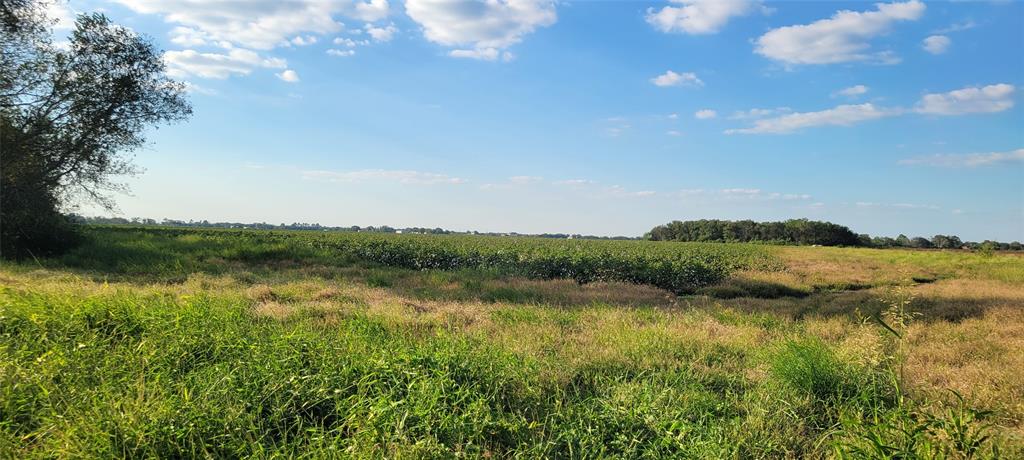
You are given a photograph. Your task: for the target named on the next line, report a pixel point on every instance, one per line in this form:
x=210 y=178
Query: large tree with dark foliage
x=68 y=117
x=795 y=231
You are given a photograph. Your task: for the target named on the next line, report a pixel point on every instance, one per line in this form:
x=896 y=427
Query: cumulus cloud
x=481 y=30
x=350 y=43
x=370 y=11
x=257 y=24
x=697 y=17
x=187 y=36
x=216 y=65
x=986 y=99
x=705 y=114
x=383 y=175
x=936 y=44
x=289 y=76
x=381 y=33
x=843 y=115
x=852 y=91
x=299 y=40
x=969 y=160
x=670 y=78
x=845 y=37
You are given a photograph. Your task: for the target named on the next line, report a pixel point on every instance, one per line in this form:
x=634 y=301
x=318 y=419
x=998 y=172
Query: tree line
x=805 y=232
x=99 y=220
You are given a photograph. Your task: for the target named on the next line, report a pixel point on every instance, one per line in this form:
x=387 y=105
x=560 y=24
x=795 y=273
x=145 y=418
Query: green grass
x=146 y=344
x=678 y=267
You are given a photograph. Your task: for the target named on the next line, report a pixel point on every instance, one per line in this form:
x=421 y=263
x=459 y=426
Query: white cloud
x=350 y=42
x=845 y=37
x=289 y=76
x=259 y=24
x=673 y=116
x=381 y=34
x=574 y=182
x=757 y=113
x=621 y=192
x=867 y=204
x=616 y=126
x=340 y=53
x=486 y=27
x=187 y=36
x=698 y=16
x=758 y=194
x=741 y=191
x=670 y=78
x=196 y=89
x=58 y=11
x=370 y=11
x=705 y=114
x=483 y=54
x=843 y=115
x=299 y=40
x=970 y=160
x=383 y=175
x=936 y=44
x=852 y=91
x=673 y=132
x=957 y=27
x=216 y=65
x=986 y=99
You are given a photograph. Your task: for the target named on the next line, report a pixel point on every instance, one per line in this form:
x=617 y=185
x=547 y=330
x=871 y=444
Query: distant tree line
x=78 y=219
x=805 y=232
x=936 y=242
x=795 y=231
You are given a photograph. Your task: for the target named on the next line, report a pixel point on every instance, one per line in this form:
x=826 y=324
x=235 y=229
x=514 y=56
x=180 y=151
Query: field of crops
x=677 y=267
x=183 y=343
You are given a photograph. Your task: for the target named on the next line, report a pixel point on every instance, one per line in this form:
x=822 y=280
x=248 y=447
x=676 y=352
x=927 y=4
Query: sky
x=603 y=118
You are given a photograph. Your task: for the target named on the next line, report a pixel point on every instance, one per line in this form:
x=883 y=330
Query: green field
x=149 y=342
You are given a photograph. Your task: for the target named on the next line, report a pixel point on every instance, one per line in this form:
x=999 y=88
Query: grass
x=179 y=347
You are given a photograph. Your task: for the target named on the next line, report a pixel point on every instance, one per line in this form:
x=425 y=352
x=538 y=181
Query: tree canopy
x=69 y=114
x=795 y=231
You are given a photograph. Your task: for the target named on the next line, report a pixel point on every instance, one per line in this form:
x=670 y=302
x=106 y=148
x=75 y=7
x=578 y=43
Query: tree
x=794 y=231
x=68 y=116
x=920 y=243
x=947 y=241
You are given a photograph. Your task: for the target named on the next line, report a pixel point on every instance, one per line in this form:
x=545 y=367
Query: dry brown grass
x=981 y=358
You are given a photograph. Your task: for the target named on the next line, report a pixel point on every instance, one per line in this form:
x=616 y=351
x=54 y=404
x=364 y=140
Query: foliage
x=796 y=231
x=271 y=359
x=67 y=115
x=677 y=267
x=910 y=429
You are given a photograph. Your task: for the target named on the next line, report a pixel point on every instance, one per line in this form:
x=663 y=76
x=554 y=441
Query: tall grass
x=188 y=346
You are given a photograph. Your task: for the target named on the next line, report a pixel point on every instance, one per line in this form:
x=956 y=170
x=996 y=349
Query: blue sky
x=591 y=117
